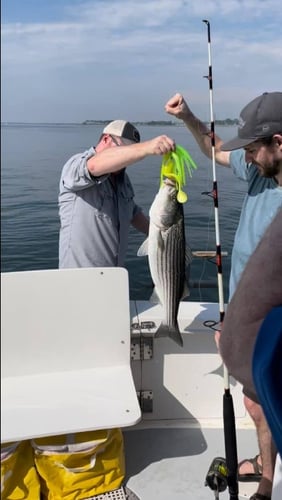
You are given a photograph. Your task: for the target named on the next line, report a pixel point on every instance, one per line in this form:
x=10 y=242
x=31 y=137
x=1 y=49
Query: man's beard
x=271 y=170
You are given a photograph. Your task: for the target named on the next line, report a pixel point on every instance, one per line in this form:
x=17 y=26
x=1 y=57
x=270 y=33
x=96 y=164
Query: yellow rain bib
x=19 y=479
x=79 y=466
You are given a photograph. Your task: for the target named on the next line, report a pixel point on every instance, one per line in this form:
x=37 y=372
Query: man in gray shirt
x=96 y=199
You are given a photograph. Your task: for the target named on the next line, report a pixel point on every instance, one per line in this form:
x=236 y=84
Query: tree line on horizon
x=226 y=121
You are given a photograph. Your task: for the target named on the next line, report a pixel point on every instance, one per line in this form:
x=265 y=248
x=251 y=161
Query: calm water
x=32 y=157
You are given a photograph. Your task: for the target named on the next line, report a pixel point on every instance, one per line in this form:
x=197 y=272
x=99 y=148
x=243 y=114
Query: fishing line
x=207 y=245
x=209 y=231
x=228 y=409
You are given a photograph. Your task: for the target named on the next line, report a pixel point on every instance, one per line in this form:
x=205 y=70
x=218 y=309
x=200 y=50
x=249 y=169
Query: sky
x=68 y=61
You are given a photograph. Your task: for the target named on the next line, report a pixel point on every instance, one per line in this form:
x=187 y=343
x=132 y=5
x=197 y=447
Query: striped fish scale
x=169 y=279
x=165 y=247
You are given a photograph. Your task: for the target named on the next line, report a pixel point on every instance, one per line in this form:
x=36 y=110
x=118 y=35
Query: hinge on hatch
x=141 y=348
x=146 y=401
x=142 y=340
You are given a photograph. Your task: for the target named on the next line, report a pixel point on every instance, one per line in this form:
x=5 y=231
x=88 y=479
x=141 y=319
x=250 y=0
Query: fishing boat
x=78 y=355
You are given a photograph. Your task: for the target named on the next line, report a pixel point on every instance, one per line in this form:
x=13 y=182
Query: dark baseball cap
x=123 y=129
x=261 y=118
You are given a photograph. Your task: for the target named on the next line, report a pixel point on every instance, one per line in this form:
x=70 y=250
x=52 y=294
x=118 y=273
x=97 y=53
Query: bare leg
x=266 y=446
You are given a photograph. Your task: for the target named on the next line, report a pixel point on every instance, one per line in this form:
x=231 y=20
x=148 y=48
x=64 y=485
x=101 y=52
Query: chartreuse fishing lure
x=173 y=167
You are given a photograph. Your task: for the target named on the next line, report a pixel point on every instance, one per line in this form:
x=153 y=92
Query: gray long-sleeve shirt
x=95 y=216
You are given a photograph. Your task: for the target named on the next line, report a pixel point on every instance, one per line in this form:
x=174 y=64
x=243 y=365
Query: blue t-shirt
x=261 y=203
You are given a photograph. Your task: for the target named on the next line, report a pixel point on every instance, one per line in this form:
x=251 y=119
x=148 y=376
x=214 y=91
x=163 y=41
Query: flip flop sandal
x=251 y=476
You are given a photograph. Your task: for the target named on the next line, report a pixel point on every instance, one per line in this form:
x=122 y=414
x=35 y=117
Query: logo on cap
x=241 y=122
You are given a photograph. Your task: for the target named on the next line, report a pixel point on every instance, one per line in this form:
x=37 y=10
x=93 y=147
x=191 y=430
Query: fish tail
x=173 y=332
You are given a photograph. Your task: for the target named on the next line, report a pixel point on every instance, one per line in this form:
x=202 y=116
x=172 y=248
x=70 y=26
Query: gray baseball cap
x=123 y=129
x=261 y=118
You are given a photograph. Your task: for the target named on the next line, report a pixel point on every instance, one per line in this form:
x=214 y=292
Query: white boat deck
x=169 y=452
x=172 y=462
x=77 y=333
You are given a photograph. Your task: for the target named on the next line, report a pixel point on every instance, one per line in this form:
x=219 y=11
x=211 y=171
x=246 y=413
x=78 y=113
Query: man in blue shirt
x=255 y=156
x=96 y=199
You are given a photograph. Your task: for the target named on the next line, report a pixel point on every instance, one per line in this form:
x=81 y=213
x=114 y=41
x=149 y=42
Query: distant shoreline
x=227 y=121
x=152 y=123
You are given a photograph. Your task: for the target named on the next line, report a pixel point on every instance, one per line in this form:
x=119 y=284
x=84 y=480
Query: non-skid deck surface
x=172 y=463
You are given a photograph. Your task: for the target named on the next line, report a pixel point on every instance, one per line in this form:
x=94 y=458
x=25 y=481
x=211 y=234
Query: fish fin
x=143 y=249
x=188 y=255
x=160 y=241
x=186 y=290
x=172 y=332
x=155 y=299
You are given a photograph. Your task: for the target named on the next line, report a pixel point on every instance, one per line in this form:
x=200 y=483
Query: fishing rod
x=218 y=476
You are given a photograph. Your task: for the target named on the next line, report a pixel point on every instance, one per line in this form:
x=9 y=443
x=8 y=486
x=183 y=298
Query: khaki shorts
x=251 y=395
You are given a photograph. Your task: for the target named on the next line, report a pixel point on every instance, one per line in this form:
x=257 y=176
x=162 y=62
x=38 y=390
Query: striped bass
x=168 y=257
